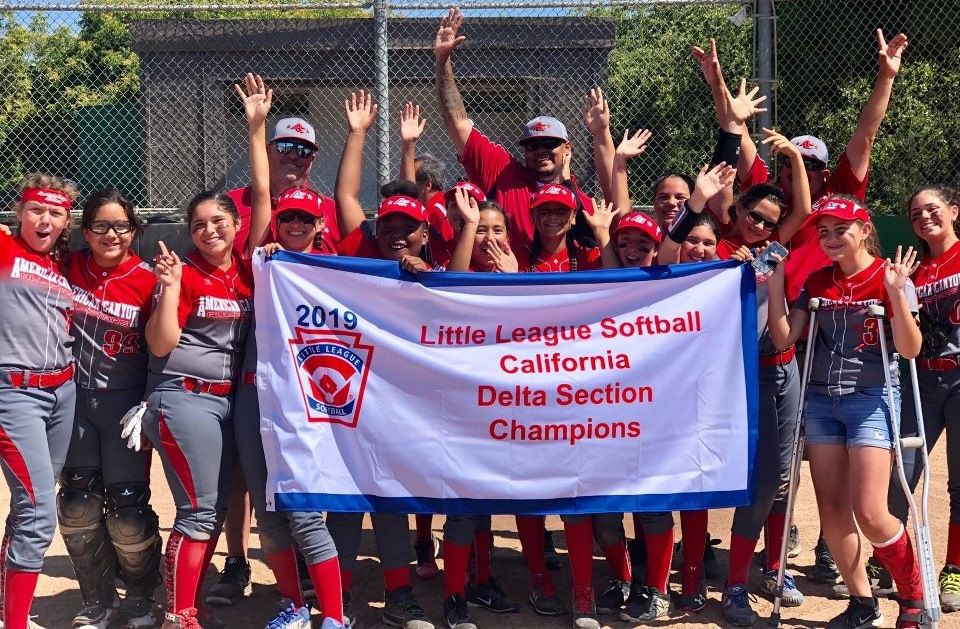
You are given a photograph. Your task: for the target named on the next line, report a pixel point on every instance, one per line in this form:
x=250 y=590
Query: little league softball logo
x=332 y=368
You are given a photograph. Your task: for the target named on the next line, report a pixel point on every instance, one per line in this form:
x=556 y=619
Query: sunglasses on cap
x=547 y=144
x=289 y=217
x=759 y=219
x=118 y=227
x=809 y=163
x=284 y=147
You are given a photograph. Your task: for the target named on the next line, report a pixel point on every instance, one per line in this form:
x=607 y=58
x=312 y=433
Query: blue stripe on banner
x=751 y=364
x=392 y=271
x=353 y=503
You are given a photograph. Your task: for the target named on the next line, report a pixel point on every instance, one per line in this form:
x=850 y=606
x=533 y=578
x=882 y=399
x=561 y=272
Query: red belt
x=40 y=379
x=780 y=358
x=938 y=364
x=221 y=387
x=248 y=377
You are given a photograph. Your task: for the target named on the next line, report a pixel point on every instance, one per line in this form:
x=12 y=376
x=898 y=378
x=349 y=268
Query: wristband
x=683 y=224
x=727 y=149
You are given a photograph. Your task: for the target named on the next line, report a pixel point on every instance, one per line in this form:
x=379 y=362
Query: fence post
x=764 y=63
x=382 y=56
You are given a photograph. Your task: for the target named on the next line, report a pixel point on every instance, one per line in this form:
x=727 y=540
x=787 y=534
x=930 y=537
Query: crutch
x=795 y=462
x=921 y=525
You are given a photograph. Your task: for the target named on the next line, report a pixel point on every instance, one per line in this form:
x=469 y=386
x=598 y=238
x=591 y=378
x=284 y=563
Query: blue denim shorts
x=861 y=418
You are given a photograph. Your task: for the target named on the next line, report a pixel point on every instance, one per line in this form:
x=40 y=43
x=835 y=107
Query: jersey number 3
x=871 y=332
x=118 y=343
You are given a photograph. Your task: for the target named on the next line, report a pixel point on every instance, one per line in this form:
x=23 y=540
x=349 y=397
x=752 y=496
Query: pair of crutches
x=924 y=546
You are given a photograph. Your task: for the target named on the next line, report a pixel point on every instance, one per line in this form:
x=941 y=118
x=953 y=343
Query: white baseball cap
x=294 y=129
x=812 y=147
x=544 y=127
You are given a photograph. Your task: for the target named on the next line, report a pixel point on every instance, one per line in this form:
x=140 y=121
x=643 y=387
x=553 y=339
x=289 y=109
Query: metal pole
x=763 y=16
x=382 y=70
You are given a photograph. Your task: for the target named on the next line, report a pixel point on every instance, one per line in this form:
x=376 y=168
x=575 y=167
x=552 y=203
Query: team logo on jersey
x=332 y=368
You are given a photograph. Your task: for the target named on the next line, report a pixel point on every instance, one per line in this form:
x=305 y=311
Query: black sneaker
x=612 y=599
x=455 y=613
x=858 y=615
x=348 y=615
x=881 y=583
x=543 y=598
x=711 y=567
x=233 y=583
x=825 y=568
x=400 y=609
x=550 y=554
x=646 y=603
x=491 y=597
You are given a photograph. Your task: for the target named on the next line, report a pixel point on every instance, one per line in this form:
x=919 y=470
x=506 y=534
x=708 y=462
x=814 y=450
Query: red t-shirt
x=241 y=198
x=360 y=243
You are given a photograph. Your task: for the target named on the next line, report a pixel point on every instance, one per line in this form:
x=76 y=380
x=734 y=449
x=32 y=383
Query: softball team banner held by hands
x=626 y=390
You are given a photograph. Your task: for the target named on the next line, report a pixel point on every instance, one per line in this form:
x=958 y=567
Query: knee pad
x=132 y=523
x=80 y=500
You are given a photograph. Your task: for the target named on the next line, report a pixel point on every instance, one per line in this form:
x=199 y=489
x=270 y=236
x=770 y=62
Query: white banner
x=626 y=390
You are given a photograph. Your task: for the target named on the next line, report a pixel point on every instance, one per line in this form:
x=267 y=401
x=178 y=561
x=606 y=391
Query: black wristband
x=727 y=149
x=683 y=224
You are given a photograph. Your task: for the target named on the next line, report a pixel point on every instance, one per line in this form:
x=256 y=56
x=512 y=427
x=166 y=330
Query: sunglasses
x=812 y=165
x=539 y=145
x=759 y=219
x=118 y=227
x=284 y=147
x=303 y=217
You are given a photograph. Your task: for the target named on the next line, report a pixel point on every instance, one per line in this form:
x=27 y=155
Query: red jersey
x=587 y=259
x=443 y=238
x=111 y=308
x=37 y=305
x=361 y=243
x=492 y=168
x=938 y=290
x=241 y=198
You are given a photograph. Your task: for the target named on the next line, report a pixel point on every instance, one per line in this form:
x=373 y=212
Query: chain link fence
x=138 y=95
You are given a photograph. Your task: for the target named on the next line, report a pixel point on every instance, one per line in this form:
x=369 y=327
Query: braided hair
x=571 y=241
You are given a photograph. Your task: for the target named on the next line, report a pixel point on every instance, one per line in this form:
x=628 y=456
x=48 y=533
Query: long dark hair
x=536 y=246
x=946 y=194
x=103 y=196
x=221 y=198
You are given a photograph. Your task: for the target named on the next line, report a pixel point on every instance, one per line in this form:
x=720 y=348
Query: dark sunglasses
x=812 y=165
x=547 y=144
x=119 y=227
x=759 y=219
x=284 y=147
x=303 y=217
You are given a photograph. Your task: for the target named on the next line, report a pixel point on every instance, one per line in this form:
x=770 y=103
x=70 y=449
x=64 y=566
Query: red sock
x=899 y=559
x=424 y=527
x=530 y=530
x=18 y=589
x=693 y=525
x=481 y=548
x=326 y=581
x=3 y=567
x=953 y=544
x=741 y=552
x=774 y=544
x=346 y=580
x=455 y=560
x=207 y=559
x=659 y=557
x=617 y=560
x=284 y=567
x=182 y=564
x=395 y=578
x=580 y=551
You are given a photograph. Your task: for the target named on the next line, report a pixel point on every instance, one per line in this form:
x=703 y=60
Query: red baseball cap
x=472 y=189
x=844 y=209
x=642 y=223
x=560 y=195
x=302 y=199
x=402 y=204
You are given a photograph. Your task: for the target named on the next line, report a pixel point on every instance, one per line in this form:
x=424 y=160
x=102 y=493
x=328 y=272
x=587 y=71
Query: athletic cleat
x=858 y=615
x=646 y=603
x=185 y=619
x=825 y=568
x=330 y=623
x=881 y=583
x=612 y=599
x=400 y=609
x=544 y=599
x=950 y=588
x=585 y=608
x=550 y=554
x=209 y=620
x=290 y=616
x=736 y=607
x=233 y=583
x=427 y=558
x=349 y=618
x=793 y=542
x=791 y=596
x=694 y=594
x=140 y=612
x=94 y=617
x=711 y=567
x=455 y=613
x=491 y=597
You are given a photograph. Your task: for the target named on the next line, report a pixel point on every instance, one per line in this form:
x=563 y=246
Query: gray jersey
x=938 y=289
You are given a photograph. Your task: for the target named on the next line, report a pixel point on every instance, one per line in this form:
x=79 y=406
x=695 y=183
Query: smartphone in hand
x=763 y=264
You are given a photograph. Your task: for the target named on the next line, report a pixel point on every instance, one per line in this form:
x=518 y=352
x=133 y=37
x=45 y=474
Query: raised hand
x=256 y=99
x=503 y=258
x=709 y=64
x=596 y=111
x=743 y=254
x=634 y=145
x=167 y=267
x=710 y=181
x=745 y=105
x=779 y=143
x=890 y=53
x=413 y=264
x=411 y=124
x=898 y=271
x=448 y=35
x=467 y=206
x=361 y=111
x=602 y=216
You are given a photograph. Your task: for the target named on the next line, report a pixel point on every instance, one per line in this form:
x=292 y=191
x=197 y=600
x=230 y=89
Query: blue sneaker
x=791 y=597
x=736 y=607
x=290 y=617
x=330 y=623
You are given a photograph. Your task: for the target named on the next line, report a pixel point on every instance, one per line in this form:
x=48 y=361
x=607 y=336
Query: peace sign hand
x=167 y=267
x=256 y=99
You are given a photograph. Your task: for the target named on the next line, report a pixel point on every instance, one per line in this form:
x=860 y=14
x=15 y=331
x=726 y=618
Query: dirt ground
x=58 y=598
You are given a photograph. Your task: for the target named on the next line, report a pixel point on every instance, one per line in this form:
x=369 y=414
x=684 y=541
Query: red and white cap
x=560 y=195
x=544 y=127
x=642 y=223
x=472 y=189
x=844 y=209
x=402 y=204
x=302 y=199
x=812 y=147
x=294 y=129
